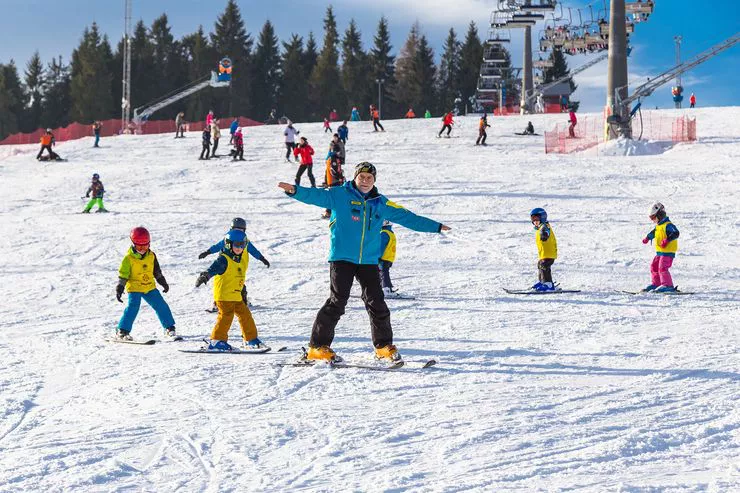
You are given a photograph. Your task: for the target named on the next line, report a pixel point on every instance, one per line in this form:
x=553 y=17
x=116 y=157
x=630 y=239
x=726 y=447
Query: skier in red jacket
x=447 y=123
x=305 y=151
x=573 y=122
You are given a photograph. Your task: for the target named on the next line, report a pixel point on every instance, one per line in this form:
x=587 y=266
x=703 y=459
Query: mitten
x=204 y=254
x=119 y=292
x=664 y=242
x=265 y=261
x=645 y=241
x=202 y=279
x=163 y=283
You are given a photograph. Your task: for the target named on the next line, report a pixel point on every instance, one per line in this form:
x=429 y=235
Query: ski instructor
x=358 y=212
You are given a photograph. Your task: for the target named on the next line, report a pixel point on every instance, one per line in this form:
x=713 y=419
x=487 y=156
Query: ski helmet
x=365 y=167
x=139 y=236
x=657 y=209
x=239 y=223
x=539 y=212
x=386 y=223
x=235 y=238
x=96 y=177
x=48 y=130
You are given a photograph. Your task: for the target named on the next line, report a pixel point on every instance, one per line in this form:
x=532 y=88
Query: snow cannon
x=677 y=92
x=224 y=70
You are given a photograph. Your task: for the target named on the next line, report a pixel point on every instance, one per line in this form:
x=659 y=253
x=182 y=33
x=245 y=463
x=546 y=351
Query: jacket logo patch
x=355 y=218
x=354 y=202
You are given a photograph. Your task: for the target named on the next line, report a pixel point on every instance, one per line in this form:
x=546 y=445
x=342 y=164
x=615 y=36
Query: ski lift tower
x=617 y=83
x=126 y=86
x=679 y=86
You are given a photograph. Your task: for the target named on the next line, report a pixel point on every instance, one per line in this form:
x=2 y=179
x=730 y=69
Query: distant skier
x=209 y=118
x=343 y=132
x=563 y=103
x=376 y=118
x=447 y=123
x=327 y=126
x=238 y=152
x=137 y=273
x=665 y=235
x=333 y=115
x=290 y=134
x=334 y=175
x=305 y=151
x=238 y=224
x=97 y=190
x=215 y=135
x=230 y=293
x=232 y=129
x=547 y=249
x=482 y=126
x=427 y=114
x=96 y=126
x=180 y=125
x=355 y=116
x=410 y=113
x=355 y=250
x=573 y=120
x=387 y=257
x=692 y=100
x=47 y=142
x=529 y=130
x=206 y=140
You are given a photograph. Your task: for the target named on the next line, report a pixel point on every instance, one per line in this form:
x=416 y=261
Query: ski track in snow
x=591 y=391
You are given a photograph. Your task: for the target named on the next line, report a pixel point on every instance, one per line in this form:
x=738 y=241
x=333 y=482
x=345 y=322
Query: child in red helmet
x=137 y=273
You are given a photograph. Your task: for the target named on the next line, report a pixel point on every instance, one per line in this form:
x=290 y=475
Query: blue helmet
x=539 y=211
x=235 y=238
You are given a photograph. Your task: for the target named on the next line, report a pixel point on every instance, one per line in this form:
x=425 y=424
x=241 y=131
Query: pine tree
x=425 y=73
x=560 y=69
x=199 y=55
x=471 y=56
x=383 y=67
x=56 y=104
x=35 y=80
x=144 y=71
x=294 y=88
x=356 y=70
x=311 y=55
x=326 y=89
x=8 y=118
x=407 y=90
x=170 y=65
x=231 y=40
x=91 y=88
x=267 y=73
x=448 y=76
x=16 y=97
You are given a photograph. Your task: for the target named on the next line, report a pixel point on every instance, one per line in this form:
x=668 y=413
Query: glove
x=204 y=254
x=202 y=279
x=265 y=261
x=165 y=286
x=244 y=295
x=663 y=242
x=119 y=292
x=645 y=241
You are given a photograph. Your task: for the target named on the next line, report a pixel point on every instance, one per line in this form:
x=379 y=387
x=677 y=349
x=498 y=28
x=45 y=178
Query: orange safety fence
x=112 y=127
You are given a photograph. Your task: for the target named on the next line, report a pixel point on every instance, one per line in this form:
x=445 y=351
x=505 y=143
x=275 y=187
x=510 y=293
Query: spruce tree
x=17 y=98
x=407 y=90
x=356 y=71
x=383 y=67
x=144 y=70
x=57 y=100
x=267 y=73
x=199 y=55
x=294 y=88
x=8 y=118
x=231 y=40
x=471 y=57
x=425 y=73
x=35 y=79
x=170 y=65
x=448 y=76
x=560 y=69
x=326 y=89
x=310 y=55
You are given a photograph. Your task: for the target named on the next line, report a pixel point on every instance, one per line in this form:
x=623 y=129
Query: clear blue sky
x=55 y=26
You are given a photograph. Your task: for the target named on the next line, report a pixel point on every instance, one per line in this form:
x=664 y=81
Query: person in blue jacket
x=232 y=129
x=343 y=132
x=241 y=225
x=358 y=212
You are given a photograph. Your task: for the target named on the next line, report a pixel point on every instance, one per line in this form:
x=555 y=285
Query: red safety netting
x=75 y=131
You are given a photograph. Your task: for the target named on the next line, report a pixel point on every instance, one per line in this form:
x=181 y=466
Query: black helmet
x=239 y=223
x=365 y=167
x=96 y=177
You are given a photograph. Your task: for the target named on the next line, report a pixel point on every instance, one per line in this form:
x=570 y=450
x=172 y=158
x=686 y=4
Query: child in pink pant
x=665 y=235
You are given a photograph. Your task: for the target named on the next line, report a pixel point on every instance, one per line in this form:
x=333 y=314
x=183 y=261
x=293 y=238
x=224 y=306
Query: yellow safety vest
x=548 y=248
x=228 y=286
x=660 y=235
x=389 y=254
x=138 y=270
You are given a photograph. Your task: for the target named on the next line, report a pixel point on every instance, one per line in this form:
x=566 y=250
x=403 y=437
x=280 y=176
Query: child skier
x=343 y=131
x=547 y=249
x=327 y=126
x=388 y=247
x=290 y=134
x=230 y=294
x=305 y=151
x=241 y=225
x=447 y=123
x=359 y=211
x=137 y=273
x=665 y=235
x=238 y=151
x=355 y=116
x=232 y=129
x=205 y=152
x=376 y=118
x=96 y=131
x=334 y=175
x=97 y=190
x=482 y=126
x=180 y=125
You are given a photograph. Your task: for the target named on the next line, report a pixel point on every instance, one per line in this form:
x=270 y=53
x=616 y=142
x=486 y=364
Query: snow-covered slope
x=596 y=391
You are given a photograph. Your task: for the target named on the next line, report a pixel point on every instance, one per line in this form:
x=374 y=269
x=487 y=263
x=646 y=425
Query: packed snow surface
x=593 y=391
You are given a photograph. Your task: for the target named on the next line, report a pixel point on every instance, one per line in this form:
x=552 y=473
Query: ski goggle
x=238 y=244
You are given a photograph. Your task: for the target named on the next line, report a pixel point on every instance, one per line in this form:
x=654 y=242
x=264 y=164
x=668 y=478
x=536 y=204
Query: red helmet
x=139 y=236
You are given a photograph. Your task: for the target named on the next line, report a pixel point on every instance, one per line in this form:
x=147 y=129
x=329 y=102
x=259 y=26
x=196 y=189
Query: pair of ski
x=144 y=342
x=534 y=291
x=667 y=293
x=380 y=365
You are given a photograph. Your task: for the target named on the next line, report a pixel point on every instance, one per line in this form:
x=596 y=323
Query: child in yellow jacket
x=547 y=249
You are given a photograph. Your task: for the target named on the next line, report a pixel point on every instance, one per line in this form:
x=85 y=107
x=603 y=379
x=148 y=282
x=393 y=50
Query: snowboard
x=532 y=291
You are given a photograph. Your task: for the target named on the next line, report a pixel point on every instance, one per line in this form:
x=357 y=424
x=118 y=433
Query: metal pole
x=527 y=73
x=126 y=83
x=617 y=82
x=678 y=40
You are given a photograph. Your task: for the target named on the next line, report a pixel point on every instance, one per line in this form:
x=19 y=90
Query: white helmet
x=48 y=130
x=656 y=209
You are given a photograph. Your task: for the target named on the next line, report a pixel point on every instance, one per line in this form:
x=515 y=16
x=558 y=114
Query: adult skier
x=290 y=134
x=447 y=123
x=215 y=135
x=358 y=211
x=180 y=125
x=206 y=141
x=343 y=131
x=47 y=142
x=482 y=126
x=96 y=126
x=376 y=118
x=573 y=120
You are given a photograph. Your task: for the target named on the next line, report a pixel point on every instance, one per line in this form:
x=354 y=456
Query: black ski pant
x=376 y=124
x=48 y=148
x=289 y=146
x=448 y=127
x=302 y=169
x=385 y=273
x=544 y=267
x=342 y=274
x=239 y=153
x=215 y=146
x=206 y=150
x=482 y=136
x=180 y=131
x=328 y=129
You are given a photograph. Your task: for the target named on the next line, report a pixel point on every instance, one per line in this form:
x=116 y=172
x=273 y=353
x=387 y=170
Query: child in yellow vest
x=137 y=273
x=229 y=293
x=388 y=247
x=665 y=235
x=547 y=249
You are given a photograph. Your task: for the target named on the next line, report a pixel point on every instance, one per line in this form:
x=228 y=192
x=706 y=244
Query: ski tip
x=429 y=363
